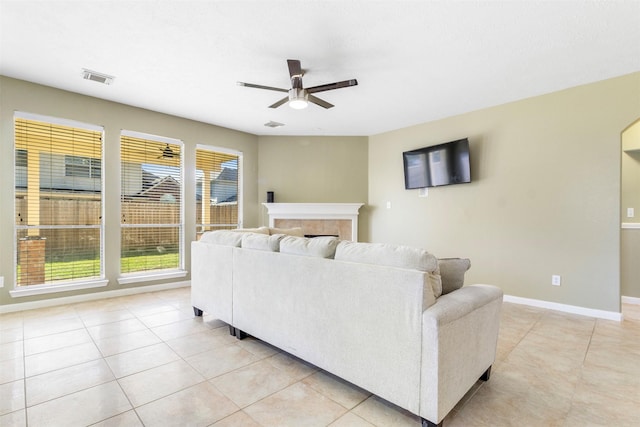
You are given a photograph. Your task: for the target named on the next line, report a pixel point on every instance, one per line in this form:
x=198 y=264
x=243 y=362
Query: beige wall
x=313 y=169
x=545 y=196
x=17 y=95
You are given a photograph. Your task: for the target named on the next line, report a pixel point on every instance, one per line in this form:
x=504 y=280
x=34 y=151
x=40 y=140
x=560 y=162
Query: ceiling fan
x=299 y=96
x=168 y=153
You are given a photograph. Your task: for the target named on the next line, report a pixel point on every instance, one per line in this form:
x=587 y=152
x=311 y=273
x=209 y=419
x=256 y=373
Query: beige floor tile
x=152 y=384
x=164 y=318
x=113 y=329
x=193 y=344
x=81 y=408
x=95 y=318
x=56 y=341
x=145 y=309
x=199 y=405
x=596 y=409
x=126 y=419
x=379 y=412
x=297 y=405
x=11 y=320
x=596 y=380
x=221 y=360
x=122 y=343
x=336 y=389
x=249 y=384
x=14 y=419
x=12 y=397
x=350 y=420
x=141 y=359
x=54 y=384
x=614 y=357
x=257 y=347
x=61 y=358
x=179 y=329
x=49 y=314
x=11 y=370
x=11 y=350
x=11 y=335
x=41 y=327
x=294 y=367
x=237 y=419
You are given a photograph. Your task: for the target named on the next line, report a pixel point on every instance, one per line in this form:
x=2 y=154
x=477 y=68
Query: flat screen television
x=442 y=164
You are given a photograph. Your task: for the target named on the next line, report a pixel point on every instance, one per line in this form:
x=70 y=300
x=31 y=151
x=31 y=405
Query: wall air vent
x=97 y=77
x=272 y=124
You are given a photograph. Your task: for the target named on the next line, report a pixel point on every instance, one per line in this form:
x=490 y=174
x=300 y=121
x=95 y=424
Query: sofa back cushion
x=386 y=254
x=261 y=242
x=452 y=272
x=322 y=247
x=222 y=237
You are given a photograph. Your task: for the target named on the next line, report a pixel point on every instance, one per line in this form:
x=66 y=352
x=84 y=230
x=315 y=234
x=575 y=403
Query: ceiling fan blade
x=331 y=86
x=277 y=89
x=295 y=70
x=319 y=101
x=279 y=103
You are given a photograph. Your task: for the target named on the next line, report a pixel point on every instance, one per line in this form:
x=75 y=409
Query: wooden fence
x=84 y=242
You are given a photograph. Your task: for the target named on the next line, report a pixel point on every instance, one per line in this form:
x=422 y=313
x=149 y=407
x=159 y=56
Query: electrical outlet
x=1 y=281
x=388 y=205
x=630 y=212
x=555 y=280
x=423 y=192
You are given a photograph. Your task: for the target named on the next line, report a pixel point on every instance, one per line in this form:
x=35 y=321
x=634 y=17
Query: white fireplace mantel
x=327 y=211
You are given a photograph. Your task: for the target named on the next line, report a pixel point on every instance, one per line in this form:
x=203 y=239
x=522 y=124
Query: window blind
x=58 y=217
x=217 y=190
x=151 y=203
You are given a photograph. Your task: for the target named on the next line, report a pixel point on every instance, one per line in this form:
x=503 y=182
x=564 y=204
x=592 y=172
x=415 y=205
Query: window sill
x=29 y=290
x=150 y=276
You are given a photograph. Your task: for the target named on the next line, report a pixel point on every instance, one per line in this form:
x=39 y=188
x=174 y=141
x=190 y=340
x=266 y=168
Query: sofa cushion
x=295 y=231
x=322 y=247
x=222 y=237
x=452 y=272
x=386 y=254
x=261 y=242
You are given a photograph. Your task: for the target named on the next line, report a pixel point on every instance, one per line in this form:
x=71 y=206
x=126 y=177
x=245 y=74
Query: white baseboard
x=631 y=300
x=91 y=297
x=591 y=312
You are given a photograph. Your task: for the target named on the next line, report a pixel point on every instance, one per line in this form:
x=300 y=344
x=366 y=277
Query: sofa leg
x=232 y=331
x=197 y=312
x=427 y=423
x=486 y=375
x=240 y=334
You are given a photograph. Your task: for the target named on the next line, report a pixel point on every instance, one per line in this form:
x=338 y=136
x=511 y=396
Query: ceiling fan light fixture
x=298 y=98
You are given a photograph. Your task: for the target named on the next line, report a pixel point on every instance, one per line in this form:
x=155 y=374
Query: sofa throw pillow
x=452 y=272
x=222 y=237
x=295 y=231
x=323 y=247
x=261 y=242
x=387 y=254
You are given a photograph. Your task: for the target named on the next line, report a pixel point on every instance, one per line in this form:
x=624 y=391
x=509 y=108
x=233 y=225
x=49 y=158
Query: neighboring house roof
x=158 y=189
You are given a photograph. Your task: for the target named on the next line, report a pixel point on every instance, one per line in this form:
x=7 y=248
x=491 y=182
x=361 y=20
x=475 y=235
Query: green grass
x=72 y=270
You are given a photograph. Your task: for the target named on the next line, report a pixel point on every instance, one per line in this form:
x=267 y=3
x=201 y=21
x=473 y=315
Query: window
x=58 y=220
x=82 y=167
x=217 y=189
x=151 y=205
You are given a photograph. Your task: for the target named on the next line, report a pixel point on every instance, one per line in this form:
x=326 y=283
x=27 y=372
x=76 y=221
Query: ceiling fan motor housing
x=298 y=98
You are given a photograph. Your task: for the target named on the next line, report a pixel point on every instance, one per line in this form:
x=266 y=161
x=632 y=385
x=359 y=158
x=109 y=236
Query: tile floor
x=145 y=360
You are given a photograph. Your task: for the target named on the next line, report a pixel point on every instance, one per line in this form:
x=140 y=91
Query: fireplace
x=317 y=219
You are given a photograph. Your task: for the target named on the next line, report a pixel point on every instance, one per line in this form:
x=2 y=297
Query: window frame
x=67 y=285
x=240 y=198
x=150 y=275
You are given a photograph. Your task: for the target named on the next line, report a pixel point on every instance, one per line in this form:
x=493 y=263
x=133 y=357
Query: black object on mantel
x=270 y=197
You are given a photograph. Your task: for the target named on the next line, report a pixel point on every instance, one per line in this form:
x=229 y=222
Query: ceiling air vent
x=272 y=124
x=97 y=77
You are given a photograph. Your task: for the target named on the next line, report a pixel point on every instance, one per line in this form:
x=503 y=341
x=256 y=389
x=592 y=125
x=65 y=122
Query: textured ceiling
x=415 y=61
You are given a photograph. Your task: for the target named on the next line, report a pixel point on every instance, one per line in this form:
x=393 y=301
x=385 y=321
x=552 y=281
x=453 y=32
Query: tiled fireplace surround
x=317 y=219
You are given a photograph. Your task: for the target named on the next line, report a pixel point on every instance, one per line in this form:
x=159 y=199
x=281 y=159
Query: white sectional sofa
x=372 y=314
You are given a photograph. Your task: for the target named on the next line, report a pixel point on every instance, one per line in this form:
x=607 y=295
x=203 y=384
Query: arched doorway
x=630 y=215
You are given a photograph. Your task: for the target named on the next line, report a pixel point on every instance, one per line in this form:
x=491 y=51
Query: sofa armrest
x=460 y=336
